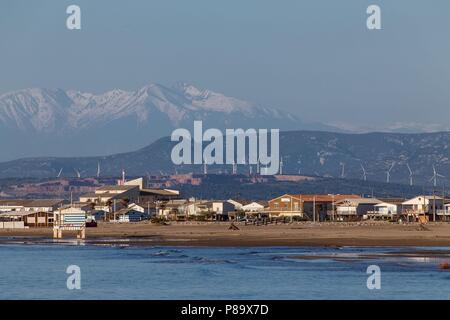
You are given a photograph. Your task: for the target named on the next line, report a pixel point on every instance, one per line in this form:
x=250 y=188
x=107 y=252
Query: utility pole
x=443 y=204
x=434 y=206
x=114 y=210
x=314 y=209
x=332 y=208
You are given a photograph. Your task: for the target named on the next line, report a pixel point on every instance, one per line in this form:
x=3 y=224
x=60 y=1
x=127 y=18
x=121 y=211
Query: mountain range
x=42 y=122
x=314 y=153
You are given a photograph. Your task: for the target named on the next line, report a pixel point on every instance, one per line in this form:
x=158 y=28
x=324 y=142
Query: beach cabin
x=69 y=219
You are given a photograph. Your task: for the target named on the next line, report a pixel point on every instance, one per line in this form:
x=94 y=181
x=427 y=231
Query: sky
x=313 y=58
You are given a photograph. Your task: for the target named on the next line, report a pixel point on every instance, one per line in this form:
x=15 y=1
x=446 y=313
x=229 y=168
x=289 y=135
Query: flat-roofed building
x=355 y=208
x=31 y=219
x=110 y=193
x=34 y=205
x=311 y=206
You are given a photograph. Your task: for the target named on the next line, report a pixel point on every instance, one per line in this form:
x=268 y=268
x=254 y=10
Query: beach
x=219 y=234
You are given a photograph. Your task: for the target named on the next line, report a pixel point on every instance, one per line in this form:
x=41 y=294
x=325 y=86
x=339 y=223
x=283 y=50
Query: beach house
x=34 y=205
x=315 y=207
x=21 y=219
x=423 y=207
x=355 y=208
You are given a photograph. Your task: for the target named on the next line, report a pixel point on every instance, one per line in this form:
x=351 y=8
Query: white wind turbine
x=77 y=172
x=343 y=169
x=281 y=165
x=98 y=169
x=59 y=174
x=435 y=176
x=388 y=173
x=205 y=167
x=411 y=174
x=364 y=172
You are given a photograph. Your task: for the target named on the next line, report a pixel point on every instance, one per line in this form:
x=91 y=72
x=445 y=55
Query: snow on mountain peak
x=56 y=109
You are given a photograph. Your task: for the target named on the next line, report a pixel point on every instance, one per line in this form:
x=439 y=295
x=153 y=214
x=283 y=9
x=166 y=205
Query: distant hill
x=218 y=187
x=307 y=152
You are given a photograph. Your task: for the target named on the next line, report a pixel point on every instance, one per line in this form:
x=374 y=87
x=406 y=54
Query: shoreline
x=217 y=234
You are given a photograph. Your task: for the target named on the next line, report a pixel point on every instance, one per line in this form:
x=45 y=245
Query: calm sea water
x=30 y=271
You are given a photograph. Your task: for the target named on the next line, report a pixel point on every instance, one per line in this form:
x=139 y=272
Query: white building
x=39 y=205
x=385 y=208
x=253 y=207
x=422 y=205
x=354 y=208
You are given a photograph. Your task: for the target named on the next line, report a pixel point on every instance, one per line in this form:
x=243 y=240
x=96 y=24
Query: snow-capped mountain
x=58 y=122
x=47 y=110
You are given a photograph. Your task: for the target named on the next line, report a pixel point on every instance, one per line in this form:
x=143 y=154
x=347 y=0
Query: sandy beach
x=218 y=234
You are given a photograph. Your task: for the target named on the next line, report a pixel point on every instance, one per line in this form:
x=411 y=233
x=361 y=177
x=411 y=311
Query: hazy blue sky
x=314 y=58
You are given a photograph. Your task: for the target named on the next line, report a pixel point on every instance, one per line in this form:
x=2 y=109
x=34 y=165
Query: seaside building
x=70 y=218
x=183 y=209
x=34 y=205
x=106 y=194
x=255 y=206
x=424 y=207
x=248 y=205
x=25 y=219
x=315 y=207
x=112 y=198
x=355 y=208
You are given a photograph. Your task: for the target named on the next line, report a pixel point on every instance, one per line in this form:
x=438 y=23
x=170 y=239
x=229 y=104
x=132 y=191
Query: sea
x=31 y=270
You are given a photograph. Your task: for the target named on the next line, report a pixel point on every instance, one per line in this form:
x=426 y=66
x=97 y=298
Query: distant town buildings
x=131 y=201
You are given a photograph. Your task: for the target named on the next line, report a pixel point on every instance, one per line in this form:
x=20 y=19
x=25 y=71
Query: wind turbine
x=364 y=172
x=388 y=173
x=77 y=173
x=343 y=170
x=435 y=176
x=59 y=174
x=98 y=169
x=281 y=165
x=205 y=167
x=410 y=175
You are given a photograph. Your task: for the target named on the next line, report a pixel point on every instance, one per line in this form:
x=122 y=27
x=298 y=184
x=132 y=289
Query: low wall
x=12 y=225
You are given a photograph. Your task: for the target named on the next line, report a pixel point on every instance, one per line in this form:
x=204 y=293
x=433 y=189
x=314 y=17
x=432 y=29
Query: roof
x=91 y=195
x=144 y=205
x=117 y=187
x=421 y=198
x=124 y=211
x=17 y=213
x=31 y=202
x=397 y=201
x=358 y=201
x=255 y=202
x=162 y=192
x=319 y=197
